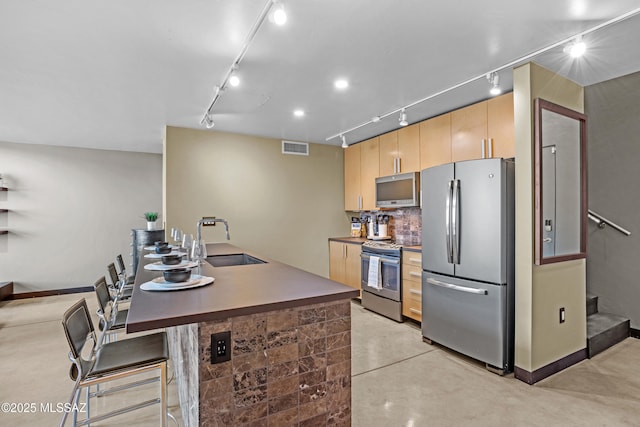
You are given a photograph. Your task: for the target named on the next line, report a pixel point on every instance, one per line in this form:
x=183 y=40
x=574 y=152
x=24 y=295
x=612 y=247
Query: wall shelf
x=4 y=189
x=4 y=232
x=4 y=210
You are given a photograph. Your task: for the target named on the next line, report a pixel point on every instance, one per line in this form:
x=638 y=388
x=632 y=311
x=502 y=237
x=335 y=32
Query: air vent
x=297 y=148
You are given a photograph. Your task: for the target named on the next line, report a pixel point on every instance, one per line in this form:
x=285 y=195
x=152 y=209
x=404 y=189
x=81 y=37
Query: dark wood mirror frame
x=539 y=106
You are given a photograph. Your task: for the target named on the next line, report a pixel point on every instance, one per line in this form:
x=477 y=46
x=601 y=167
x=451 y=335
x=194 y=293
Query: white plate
x=195 y=282
x=155 y=255
x=153 y=248
x=159 y=266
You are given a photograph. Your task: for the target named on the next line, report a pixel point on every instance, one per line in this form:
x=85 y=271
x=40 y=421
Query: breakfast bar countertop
x=237 y=290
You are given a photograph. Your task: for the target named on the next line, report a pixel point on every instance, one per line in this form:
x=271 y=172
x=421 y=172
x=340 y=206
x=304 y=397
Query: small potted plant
x=151 y=218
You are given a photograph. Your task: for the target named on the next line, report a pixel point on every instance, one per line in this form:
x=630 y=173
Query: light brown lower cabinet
x=345 y=264
x=412 y=285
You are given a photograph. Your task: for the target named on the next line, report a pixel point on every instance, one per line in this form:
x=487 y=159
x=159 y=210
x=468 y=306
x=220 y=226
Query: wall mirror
x=560 y=167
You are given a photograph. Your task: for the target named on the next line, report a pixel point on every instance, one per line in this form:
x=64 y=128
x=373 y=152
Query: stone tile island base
x=288 y=367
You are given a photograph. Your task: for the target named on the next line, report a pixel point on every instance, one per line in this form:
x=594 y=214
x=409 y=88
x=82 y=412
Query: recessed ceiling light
x=341 y=84
x=298 y=113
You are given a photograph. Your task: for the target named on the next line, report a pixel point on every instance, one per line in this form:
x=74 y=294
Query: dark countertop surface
x=361 y=240
x=236 y=291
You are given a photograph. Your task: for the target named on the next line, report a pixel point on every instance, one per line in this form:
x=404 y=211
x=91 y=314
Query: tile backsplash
x=405 y=224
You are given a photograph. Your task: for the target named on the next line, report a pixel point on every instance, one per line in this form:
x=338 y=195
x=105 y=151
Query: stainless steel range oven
x=383 y=295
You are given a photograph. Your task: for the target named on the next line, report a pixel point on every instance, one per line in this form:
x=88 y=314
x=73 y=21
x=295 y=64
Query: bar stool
x=123 y=271
x=122 y=291
x=111 y=361
x=112 y=320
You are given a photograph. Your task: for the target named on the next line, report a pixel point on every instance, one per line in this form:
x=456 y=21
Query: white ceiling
x=111 y=74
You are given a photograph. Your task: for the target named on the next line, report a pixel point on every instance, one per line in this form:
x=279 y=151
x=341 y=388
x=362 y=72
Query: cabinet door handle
x=482 y=148
x=359 y=202
x=490 y=147
x=415 y=292
x=414 y=274
x=399 y=165
x=414 y=311
x=418 y=260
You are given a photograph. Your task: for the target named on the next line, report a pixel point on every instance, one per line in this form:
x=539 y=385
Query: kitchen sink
x=228 y=260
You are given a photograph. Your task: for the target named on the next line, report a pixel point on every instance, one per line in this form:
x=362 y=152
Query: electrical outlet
x=220 y=347
x=561 y=315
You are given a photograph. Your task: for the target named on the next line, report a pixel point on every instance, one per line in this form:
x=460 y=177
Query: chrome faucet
x=210 y=221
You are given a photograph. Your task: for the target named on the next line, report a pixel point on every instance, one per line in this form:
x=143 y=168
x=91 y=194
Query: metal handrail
x=602 y=222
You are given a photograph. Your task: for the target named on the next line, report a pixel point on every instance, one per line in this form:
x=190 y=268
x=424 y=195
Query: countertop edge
x=235 y=312
x=361 y=240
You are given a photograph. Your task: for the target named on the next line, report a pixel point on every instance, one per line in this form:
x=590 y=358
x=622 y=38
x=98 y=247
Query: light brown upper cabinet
x=369 y=171
x=352 y=194
x=483 y=130
x=435 y=141
x=400 y=151
x=469 y=132
x=361 y=167
x=409 y=148
x=389 y=153
x=500 y=125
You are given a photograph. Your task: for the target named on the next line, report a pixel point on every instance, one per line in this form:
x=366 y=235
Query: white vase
x=151 y=225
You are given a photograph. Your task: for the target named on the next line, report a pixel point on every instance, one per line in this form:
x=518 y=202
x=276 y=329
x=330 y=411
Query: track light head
x=207 y=121
x=575 y=49
x=402 y=120
x=494 y=81
x=344 y=141
x=278 y=15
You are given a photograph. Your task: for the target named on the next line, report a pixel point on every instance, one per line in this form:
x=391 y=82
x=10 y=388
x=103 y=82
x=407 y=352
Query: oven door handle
x=477 y=291
x=382 y=259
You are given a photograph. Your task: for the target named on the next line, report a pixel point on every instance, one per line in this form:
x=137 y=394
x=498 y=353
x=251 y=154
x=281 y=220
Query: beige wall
x=71 y=212
x=282 y=206
x=542 y=290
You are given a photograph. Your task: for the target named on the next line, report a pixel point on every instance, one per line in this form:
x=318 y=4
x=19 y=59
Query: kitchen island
x=290 y=355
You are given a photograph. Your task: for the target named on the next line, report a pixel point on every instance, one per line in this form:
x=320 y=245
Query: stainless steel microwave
x=398 y=191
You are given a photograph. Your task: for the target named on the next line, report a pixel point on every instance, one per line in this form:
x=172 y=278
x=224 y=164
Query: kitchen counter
x=361 y=240
x=289 y=343
x=237 y=290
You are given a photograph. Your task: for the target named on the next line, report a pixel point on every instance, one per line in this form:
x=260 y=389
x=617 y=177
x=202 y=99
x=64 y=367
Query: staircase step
x=605 y=330
x=6 y=290
x=592 y=304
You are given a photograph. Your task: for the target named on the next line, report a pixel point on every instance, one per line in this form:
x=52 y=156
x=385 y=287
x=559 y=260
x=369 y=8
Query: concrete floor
x=397 y=379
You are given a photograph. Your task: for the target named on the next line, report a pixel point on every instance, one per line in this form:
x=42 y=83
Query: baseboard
x=6 y=290
x=551 y=368
x=634 y=333
x=25 y=295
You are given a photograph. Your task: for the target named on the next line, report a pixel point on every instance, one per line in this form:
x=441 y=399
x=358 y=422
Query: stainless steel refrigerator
x=468 y=259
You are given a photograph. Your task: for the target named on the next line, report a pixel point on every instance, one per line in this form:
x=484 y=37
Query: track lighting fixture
x=272 y=10
x=402 y=120
x=344 y=141
x=576 y=49
x=494 y=81
x=278 y=15
x=234 y=80
x=207 y=121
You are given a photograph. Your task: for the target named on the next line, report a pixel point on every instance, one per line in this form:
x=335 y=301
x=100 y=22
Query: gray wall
x=71 y=211
x=613 y=264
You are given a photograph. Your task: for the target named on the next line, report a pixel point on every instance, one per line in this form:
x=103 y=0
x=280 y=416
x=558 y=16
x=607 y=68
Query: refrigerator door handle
x=447 y=220
x=477 y=291
x=455 y=222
